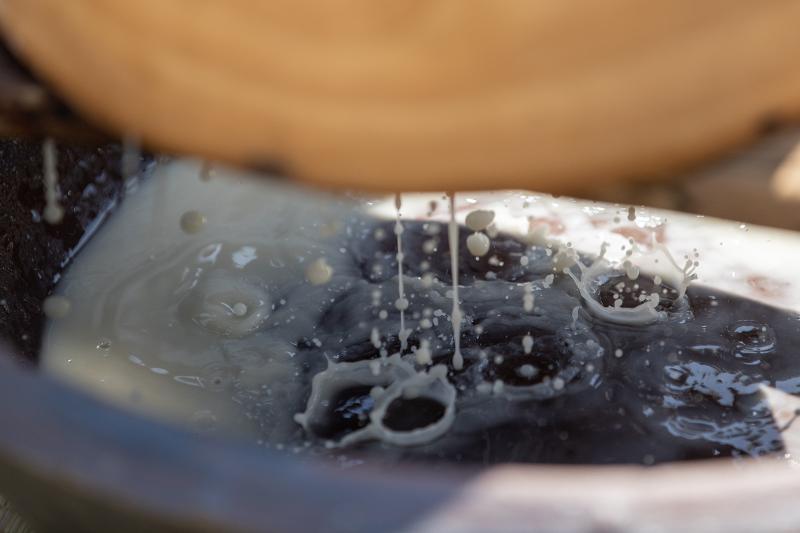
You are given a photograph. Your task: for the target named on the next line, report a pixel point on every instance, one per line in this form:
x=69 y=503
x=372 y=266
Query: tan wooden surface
x=441 y=94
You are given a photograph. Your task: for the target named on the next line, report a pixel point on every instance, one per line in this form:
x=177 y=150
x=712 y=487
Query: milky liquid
x=167 y=315
x=268 y=312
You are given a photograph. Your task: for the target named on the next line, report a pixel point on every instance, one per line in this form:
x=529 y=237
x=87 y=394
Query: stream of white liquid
x=401 y=302
x=455 y=315
x=53 y=211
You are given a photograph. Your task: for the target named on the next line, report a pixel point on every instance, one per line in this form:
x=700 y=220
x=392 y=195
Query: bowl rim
x=121 y=463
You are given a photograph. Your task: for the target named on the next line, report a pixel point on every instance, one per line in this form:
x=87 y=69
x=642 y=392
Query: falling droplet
x=479 y=219
x=478 y=244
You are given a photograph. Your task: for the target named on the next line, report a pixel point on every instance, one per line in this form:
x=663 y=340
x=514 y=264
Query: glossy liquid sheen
x=205 y=303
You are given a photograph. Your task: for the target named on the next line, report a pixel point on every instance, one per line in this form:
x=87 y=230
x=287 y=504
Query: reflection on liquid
x=228 y=328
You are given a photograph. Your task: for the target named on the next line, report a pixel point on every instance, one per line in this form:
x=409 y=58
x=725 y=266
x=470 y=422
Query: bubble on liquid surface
x=751 y=339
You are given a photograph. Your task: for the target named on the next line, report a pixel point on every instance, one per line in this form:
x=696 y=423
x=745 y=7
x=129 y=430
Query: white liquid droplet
x=375 y=338
x=527 y=343
x=527 y=298
x=631 y=270
x=497 y=387
x=479 y=219
x=423 y=354
x=478 y=244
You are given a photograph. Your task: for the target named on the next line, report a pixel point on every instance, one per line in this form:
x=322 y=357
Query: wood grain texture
x=441 y=94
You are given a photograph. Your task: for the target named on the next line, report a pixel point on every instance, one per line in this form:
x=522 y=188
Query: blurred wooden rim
x=433 y=95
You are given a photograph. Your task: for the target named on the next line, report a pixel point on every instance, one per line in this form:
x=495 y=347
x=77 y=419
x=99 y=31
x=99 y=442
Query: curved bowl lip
x=124 y=462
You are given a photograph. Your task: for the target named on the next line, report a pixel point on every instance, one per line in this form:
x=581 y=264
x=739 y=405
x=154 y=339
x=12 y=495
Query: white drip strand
x=527 y=298
x=53 y=211
x=455 y=316
x=401 y=303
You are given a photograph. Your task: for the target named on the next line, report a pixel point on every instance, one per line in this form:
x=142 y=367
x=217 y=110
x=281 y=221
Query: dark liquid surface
x=682 y=388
